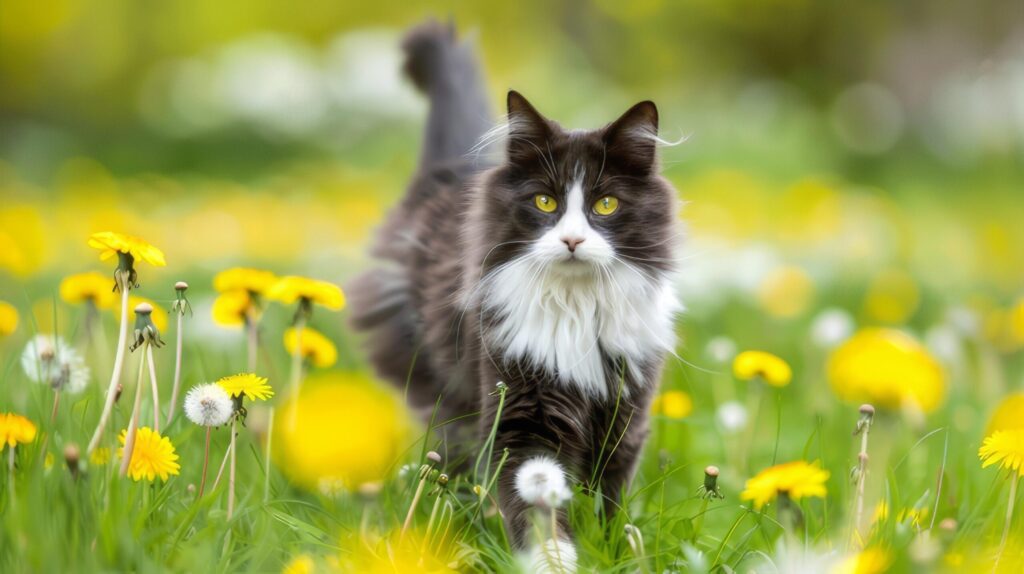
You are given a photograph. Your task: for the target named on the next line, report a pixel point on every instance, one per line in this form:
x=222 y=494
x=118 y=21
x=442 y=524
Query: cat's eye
x=606 y=205
x=545 y=203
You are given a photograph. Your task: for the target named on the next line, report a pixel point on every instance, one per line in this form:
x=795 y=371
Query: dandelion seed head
x=732 y=416
x=49 y=360
x=831 y=327
x=208 y=405
x=721 y=349
x=540 y=481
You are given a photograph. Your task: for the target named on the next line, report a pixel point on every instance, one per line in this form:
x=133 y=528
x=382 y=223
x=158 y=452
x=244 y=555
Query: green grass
x=54 y=521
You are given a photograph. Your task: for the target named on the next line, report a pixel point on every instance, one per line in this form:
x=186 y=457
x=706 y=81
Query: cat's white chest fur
x=562 y=321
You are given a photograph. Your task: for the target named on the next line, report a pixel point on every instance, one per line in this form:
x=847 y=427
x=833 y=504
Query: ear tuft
x=630 y=140
x=528 y=130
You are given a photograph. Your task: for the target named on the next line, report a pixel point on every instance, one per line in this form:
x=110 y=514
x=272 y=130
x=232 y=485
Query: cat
x=549 y=269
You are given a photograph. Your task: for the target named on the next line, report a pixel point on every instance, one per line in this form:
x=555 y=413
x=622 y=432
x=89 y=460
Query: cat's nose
x=572 y=242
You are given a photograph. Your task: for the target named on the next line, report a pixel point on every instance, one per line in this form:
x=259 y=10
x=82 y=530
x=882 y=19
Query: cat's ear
x=528 y=130
x=630 y=140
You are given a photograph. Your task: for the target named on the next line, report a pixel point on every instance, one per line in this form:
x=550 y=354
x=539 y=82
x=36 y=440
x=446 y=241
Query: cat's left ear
x=630 y=140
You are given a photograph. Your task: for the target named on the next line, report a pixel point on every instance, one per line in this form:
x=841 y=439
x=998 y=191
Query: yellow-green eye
x=545 y=203
x=606 y=205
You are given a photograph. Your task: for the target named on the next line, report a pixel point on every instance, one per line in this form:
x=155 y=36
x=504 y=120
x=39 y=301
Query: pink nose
x=572 y=242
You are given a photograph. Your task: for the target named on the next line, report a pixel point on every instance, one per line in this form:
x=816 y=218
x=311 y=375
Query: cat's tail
x=447 y=72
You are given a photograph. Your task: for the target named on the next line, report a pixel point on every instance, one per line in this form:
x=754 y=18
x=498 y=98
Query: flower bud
x=71 y=457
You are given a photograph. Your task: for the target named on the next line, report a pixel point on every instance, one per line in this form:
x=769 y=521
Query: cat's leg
x=544 y=432
x=618 y=462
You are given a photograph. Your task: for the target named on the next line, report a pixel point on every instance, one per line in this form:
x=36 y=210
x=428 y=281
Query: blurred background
x=868 y=154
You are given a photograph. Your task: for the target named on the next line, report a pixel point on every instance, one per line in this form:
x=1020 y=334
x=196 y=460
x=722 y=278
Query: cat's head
x=577 y=201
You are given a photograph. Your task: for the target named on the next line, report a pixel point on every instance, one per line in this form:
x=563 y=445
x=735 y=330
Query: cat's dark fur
x=426 y=311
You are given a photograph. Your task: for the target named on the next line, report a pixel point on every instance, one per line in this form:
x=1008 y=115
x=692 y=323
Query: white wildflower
x=49 y=360
x=831 y=327
x=553 y=556
x=208 y=405
x=540 y=481
x=721 y=349
x=732 y=416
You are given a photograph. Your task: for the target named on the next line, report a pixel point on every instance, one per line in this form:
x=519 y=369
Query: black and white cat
x=550 y=270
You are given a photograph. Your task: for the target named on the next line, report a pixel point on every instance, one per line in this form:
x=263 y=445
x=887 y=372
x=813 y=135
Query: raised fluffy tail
x=381 y=300
x=446 y=71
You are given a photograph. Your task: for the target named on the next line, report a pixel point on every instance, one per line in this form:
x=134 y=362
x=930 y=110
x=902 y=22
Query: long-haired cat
x=548 y=270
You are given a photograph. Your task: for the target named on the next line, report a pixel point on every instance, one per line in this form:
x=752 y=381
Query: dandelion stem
x=252 y=339
x=1009 y=518
x=424 y=473
x=266 y=456
x=867 y=413
x=56 y=405
x=121 y=279
x=223 y=465
x=10 y=468
x=554 y=537
x=156 y=389
x=231 y=472
x=206 y=462
x=177 y=369
x=430 y=527
x=133 y=422
x=296 y=384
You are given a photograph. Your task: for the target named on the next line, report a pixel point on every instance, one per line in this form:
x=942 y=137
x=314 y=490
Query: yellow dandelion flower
x=230 y=308
x=110 y=244
x=8 y=319
x=317 y=348
x=766 y=366
x=244 y=279
x=100 y=456
x=872 y=560
x=301 y=564
x=798 y=479
x=888 y=369
x=397 y=552
x=90 y=286
x=1005 y=447
x=1009 y=414
x=786 y=292
x=159 y=314
x=153 y=455
x=292 y=288
x=248 y=384
x=337 y=405
x=673 y=404
x=15 y=429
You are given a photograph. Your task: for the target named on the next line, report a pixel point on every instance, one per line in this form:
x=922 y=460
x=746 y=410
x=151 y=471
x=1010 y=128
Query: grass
x=54 y=520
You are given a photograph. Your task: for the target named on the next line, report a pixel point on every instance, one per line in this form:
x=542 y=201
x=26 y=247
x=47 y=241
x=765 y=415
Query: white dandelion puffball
x=732 y=416
x=831 y=327
x=721 y=349
x=551 y=557
x=208 y=405
x=48 y=360
x=540 y=481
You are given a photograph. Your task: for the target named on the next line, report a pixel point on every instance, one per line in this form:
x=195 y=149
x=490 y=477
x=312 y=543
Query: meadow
x=349 y=485
x=847 y=395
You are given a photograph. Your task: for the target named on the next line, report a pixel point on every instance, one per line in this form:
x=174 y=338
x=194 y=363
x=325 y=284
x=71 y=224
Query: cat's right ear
x=528 y=130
